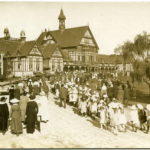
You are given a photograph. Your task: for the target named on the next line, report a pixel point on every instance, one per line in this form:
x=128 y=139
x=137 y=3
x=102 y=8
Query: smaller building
x=53 y=58
x=114 y=64
x=20 y=58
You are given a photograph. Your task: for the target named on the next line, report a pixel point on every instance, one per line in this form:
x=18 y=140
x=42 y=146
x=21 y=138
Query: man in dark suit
x=63 y=96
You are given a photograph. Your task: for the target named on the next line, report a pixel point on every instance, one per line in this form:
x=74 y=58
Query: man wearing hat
x=11 y=92
x=4 y=115
x=63 y=96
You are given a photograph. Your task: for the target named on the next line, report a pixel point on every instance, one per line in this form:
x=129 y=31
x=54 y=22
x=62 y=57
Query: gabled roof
x=41 y=38
x=10 y=47
x=48 y=50
x=70 y=37
x=14 y=48
x=27 y=47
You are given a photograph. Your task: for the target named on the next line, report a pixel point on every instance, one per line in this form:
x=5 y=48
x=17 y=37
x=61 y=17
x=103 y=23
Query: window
x=30 y=64
x=53 y=65
x=19 y=64
x=83 y=58
x=78 y=58
x=37 y=64
x=91 y=58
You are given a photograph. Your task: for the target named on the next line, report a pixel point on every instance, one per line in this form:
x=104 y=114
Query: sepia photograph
x=74 y=74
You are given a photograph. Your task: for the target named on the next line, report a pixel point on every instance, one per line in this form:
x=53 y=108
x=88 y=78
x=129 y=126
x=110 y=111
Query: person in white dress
x=93 y=107
x=73 y=95
x=102 y=115
x=113 y=115
x=103 y=90
x=134 y=118
x=122 y=118
x=43 y=105
x=83 y=106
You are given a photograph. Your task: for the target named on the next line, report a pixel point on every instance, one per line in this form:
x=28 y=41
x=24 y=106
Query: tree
x=138 y=53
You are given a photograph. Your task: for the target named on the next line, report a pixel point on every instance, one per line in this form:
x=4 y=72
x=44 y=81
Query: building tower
x=61 y=19
x=6 y=34
x=22 y=36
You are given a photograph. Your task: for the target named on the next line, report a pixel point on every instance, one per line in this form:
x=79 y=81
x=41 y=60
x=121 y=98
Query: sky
x=111 y=23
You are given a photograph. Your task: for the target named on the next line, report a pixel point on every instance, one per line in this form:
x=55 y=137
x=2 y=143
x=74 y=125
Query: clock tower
x=61 y=19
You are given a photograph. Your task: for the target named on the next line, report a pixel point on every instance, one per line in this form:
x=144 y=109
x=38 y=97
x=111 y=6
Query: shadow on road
x=94 y=123
x=57 y=103
x=75 y=110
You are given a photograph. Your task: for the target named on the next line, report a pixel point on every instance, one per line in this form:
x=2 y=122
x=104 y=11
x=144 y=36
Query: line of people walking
x=105 y=100
x=25 y=108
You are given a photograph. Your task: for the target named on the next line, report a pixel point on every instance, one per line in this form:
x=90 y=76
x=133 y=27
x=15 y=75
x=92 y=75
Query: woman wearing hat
x=15 y=114
x=31 y=114
x=4 y=115
x=113 y=116
x=23 y=104
x=43 y=107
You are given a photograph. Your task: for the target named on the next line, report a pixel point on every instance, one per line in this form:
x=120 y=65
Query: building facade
x=78 y=43
x=19 y=57
x=65 y=49
x=53 y=58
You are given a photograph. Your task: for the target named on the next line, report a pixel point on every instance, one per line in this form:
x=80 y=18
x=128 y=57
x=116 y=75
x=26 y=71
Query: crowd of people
x=101 y=97
x=26 y=107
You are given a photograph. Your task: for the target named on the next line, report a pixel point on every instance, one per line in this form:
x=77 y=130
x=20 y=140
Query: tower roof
x=6 y=30
x=61 y=16
x=22 y=34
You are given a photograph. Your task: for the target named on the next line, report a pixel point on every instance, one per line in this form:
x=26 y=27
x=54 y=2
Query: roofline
x=68 y=28
x=93 y=38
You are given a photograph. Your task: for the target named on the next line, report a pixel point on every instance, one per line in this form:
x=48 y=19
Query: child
x=103 y=116
x=113 y=115
x=93 y=107
x=122 y=118
x=135 y=123
x=83 y=106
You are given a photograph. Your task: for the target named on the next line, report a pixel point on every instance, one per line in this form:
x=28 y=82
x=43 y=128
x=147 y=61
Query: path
x=68 y=130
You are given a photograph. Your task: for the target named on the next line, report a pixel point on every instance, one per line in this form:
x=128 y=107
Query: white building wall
x=24 y=69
